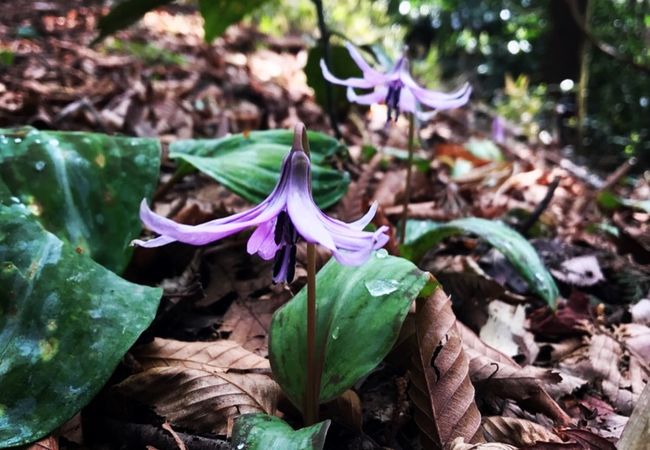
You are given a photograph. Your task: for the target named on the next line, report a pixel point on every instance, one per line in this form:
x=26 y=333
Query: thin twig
x=603 y=47
x=527 y=224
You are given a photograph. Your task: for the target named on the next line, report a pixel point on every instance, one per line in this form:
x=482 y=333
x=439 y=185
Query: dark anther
x=392 y=99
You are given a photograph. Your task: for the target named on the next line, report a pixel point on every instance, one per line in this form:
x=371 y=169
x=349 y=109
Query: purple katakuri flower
x=498 y=130
x=288 y=213
x=396 y=88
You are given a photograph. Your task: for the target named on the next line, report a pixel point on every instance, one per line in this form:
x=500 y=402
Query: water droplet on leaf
x=335 y=333
x=377 y=288
x=39 y=166
x=381 y=253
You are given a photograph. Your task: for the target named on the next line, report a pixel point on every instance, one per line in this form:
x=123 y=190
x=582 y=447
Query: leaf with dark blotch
x=221 y=355
x=495 y=374
x=515 y=431
x=65 y=323
x=441 y=388
x=262 y=432
x=201 y=400
x=83 y=187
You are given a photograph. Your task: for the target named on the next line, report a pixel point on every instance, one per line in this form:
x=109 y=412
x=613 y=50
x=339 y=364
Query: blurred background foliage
x=569 y=72
x=529 y=60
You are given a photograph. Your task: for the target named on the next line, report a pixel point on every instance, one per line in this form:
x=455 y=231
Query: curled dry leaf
x=48 y=443
x=201 y=400
x=460 y=444
x=518 y=432
x=222 y=355
x=599 y=361
x=247 y=321
x=441 y=388
x=496 y=375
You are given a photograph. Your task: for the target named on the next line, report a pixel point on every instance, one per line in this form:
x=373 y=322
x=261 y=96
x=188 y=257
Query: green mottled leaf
x=249 y=165
x=263 y=432
x=360 y=311
x=219 y=14
x=422 y=235
x=65 y=322
x=83 y=187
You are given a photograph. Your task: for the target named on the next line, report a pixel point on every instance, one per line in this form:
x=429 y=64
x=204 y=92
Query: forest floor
x=571 y=378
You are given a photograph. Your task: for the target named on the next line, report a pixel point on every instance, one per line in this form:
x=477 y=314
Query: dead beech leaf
x=440 y=385
x=460 y=444
x=219 y=355
x=506 y=331
x=247 y=322
x=497 y=375
x=636 y=434
x=48 y=443
x=599 y=361
x=201 y=400
x=515 y=431
x=586 y=439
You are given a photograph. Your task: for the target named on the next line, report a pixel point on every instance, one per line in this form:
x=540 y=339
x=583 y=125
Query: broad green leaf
x=249 y=165
x=220 y=14
x=422 y=235
x=263 y=432
x=65 y=322
x=83 y=187
x=125 y=14
x=360 y=311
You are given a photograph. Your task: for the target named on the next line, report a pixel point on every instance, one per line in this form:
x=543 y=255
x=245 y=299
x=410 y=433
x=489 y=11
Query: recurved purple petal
x=262 y=241
x=368 y=72
x=377 y=96
x=210 y=231
x=407 y=101
x=350 y=82
x=363 y=249
x=151 y=243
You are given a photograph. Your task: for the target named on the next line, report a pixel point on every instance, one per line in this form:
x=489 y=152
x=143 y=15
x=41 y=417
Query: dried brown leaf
x=48 y=443
x=460 y=444
x=636 y=434
x=495 y=374
x=518 y=432
x=201 y=400
x=247 y=321
x=440 y=385
x=587 y=439
x=219 y=355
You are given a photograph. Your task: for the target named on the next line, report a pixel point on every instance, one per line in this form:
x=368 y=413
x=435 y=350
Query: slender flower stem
x=312 y=390
x=409 y=169
x=312 y=385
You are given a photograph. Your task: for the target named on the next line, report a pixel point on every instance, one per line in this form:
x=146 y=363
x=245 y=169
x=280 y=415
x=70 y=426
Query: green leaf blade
x=262 y=432
x=422 y=235
x=83 y=187
x=360 y=311
x=249 y=165
x=65 y=322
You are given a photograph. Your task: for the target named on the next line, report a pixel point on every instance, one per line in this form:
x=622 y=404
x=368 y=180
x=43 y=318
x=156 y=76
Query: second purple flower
x=396 y=88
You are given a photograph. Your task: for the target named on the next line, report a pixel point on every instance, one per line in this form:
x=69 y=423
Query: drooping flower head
x=396 y=88
x=287 y=214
